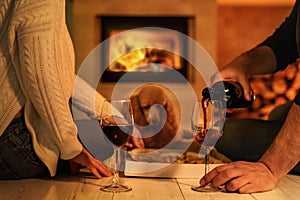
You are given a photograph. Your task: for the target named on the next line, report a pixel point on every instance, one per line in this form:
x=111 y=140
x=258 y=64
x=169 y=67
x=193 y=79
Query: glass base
x=116 y=188
x=206 y=188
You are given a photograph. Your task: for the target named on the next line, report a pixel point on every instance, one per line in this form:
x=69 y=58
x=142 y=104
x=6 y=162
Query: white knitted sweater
x=37 y=73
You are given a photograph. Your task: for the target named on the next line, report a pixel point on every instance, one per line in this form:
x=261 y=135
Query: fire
x=144 y=51
x=144 y=60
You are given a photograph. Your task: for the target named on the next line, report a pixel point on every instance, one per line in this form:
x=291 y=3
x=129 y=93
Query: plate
x=165 y=170
x=154 y=155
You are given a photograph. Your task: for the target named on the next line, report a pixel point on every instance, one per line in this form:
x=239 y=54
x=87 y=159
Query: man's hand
x=85 y=159
x=259 y=60
x=242 y=177
x=236 y=71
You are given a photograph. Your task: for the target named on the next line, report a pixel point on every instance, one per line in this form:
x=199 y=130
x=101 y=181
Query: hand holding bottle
x=236 y=71
x=259 y=60
x=230 y=93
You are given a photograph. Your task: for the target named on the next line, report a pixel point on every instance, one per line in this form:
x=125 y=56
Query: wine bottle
x=231 y=93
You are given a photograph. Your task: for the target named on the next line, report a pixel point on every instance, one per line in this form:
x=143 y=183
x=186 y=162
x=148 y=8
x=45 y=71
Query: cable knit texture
x=37 y=74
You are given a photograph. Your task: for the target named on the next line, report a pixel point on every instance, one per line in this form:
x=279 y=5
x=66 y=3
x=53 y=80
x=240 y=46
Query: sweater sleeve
x=283 y=40
x=88 y=99
x=47 y=71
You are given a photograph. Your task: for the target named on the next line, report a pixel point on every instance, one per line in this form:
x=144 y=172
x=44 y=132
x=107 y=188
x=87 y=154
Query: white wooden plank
x=80 y=188
x=275 y=194
x=49 y=189
x=295 y=178
x=25 y=189
x=186 y=184
x=287 y=189
x=151 y=189
x=91 y=189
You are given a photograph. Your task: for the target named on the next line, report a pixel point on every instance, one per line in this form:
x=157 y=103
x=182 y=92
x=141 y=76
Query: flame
x=146 y=60
x=136 y=52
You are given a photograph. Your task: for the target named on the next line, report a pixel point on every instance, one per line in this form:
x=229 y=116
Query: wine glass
x=117 y=124
x=207 y=124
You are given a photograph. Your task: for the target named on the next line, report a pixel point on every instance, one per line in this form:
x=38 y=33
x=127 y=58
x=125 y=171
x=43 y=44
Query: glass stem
x=206 y=165
x=116 y=182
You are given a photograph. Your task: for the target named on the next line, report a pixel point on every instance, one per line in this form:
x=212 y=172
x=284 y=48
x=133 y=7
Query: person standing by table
x=273 y=54
x=38 y=136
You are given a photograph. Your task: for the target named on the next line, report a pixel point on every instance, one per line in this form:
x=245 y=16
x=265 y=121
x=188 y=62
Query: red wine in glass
x=116 y=122
x=117 y=134
x=207 y=131
x=207 y=137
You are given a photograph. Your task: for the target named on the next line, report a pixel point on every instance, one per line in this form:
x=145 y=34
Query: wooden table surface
x=87 y=188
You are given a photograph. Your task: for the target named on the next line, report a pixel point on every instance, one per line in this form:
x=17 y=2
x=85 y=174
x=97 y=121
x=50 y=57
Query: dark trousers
x=17 y=157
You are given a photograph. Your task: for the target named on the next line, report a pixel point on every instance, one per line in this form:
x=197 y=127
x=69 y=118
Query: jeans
x=17 y=157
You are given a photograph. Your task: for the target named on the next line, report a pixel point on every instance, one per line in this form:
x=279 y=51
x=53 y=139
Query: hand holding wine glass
x=117 y=125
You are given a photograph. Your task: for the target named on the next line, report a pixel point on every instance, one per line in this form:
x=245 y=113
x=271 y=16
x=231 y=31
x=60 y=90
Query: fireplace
x=143 y=52
x=95 y=20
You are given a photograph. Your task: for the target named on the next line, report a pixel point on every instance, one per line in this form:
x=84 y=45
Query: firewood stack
x=271 y=91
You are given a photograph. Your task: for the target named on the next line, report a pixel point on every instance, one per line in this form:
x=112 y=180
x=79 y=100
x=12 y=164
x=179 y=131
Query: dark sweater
x=285 y=42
